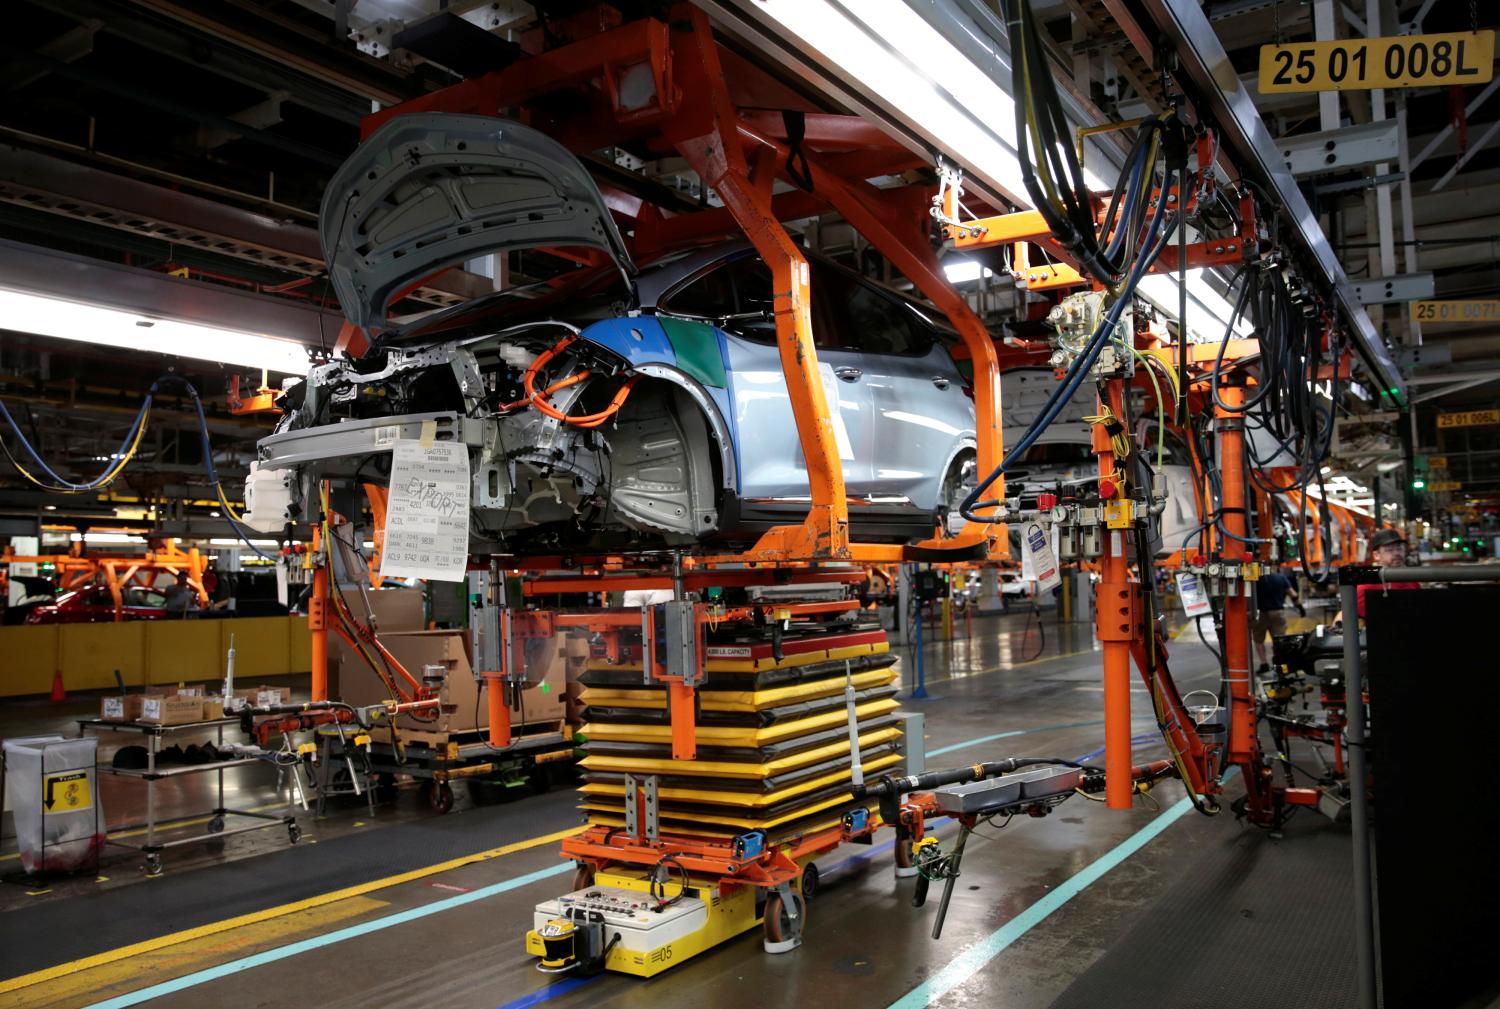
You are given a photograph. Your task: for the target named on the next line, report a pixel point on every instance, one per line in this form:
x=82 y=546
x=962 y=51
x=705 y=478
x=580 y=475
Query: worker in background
x=180 y=596
x=1271 y=593
x=1387 y=550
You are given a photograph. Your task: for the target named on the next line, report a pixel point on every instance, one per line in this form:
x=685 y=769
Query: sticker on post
x=67 y=792
x=1038 y=553
x=1194 y=600
x=427 y=516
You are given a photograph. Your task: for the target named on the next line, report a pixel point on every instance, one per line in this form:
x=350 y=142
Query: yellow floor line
x=162 y=828
x=187 y=935
x=85 y=987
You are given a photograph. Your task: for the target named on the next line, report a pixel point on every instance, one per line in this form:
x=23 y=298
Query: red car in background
x=94 y=605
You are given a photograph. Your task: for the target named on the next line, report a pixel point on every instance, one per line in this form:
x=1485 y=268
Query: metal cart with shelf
x=151 y=774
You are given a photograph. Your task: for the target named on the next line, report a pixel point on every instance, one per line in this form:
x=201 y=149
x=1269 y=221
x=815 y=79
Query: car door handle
x=849 y=374
x=941 y=382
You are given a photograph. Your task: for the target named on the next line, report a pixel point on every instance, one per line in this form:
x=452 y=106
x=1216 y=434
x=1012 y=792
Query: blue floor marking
x=327 y=939
x=551 y=991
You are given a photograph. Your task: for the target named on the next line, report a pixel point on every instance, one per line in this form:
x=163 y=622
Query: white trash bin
x=51 y=787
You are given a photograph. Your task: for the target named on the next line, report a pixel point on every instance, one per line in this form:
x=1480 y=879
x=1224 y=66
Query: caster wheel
x=216 y=825
x=583 y=877
x=440 y=797
x=780 y=935
x=153 y=864
x=810 y=881
x=293 y=833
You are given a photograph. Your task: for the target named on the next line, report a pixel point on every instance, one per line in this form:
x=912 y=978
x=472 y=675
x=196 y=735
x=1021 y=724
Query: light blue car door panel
x=922 y=418
x=770 y=453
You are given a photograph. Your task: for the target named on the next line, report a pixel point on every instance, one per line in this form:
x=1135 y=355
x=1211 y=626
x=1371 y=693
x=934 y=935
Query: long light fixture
x=922 y=80
x=110 y=327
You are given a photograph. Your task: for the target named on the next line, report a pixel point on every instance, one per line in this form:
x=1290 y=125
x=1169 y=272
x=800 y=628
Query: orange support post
x=1115 y=621
x=317 y=625
x=499 y=713
x=718 y=158
x=1243 y=746
x=680 y=699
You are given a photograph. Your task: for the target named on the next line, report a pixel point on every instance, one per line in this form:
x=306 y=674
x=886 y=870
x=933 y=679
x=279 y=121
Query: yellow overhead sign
x=1406 y=61
x=1469 y=418
x=1473 y=310
x=1444 y=485
x=1437 y=462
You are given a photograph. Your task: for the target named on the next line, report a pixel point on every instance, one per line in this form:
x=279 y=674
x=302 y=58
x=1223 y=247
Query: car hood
x=431 y=190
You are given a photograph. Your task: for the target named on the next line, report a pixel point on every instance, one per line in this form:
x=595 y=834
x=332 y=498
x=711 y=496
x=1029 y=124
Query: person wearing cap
x=1387 y=550
x=1272 y=590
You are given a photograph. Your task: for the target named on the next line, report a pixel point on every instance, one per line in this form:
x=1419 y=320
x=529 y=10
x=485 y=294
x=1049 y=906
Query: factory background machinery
x=738 y=458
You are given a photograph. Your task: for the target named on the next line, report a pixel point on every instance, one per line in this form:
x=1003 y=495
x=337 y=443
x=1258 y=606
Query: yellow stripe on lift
x=721 y=735
x=740 y=700
x=605 y=820
x=745 y=822
x=188 y=935
x=753 y=800
x=761 y=665
x=734 y=769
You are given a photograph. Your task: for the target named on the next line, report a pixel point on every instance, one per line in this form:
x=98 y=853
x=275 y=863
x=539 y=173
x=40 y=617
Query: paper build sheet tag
x=1039 y=553
x=427 y=517
x=1194 y=600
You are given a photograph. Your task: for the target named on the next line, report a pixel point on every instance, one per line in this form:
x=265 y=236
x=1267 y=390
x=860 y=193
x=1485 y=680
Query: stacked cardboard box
x=398 y=616
x=772 y=733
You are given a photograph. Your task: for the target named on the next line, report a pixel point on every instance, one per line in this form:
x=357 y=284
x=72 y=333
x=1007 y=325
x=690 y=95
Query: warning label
x=67 y=792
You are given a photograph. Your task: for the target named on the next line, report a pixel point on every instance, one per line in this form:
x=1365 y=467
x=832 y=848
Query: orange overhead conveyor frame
x=75 y=571
x=739 y=154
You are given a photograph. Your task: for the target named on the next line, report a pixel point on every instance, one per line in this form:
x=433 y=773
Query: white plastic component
x=629 y=913
x=268 y=499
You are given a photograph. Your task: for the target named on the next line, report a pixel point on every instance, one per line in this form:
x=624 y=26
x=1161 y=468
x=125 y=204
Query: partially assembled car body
x=624 y=407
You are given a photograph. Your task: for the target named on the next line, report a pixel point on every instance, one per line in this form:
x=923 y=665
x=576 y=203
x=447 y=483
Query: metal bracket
x=641 y=812
x=1354 y=146
x=1402 y=287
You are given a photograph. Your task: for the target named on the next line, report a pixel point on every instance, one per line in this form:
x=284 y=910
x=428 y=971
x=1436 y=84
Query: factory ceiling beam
x=209 y=52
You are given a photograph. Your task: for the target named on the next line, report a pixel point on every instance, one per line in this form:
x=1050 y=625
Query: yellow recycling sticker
x=67 y=792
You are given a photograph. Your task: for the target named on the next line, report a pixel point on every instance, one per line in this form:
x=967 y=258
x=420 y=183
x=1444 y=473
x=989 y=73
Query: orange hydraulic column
x=1231 y=431
x=317 y=625
x=1115 y=623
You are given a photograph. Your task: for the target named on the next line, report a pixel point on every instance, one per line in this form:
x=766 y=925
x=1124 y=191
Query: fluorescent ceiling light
x=896 y=56
x=72 y=320
x=963 y=271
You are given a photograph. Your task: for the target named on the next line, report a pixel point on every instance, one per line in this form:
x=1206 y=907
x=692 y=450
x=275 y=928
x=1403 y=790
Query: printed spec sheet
x=427 y=517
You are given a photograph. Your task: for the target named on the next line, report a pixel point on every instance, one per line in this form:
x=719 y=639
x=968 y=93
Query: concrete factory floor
x=407 y=909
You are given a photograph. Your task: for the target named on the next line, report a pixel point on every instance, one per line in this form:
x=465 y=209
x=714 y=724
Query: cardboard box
x=465 y=707
x=120 y=708
x=213 y=707
x=164 y=709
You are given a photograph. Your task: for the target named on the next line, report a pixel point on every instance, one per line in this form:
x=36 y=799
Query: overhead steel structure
x=944 y=92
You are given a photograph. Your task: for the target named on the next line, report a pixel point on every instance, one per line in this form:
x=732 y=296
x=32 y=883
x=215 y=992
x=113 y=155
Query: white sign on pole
x=1194 y=600
x=427 y=516
x=1038 y=555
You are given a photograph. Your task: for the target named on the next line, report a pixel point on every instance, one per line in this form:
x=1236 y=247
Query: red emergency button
x=1106 y=489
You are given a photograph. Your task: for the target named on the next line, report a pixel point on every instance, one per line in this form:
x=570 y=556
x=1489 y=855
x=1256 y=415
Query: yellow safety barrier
x=149 y=652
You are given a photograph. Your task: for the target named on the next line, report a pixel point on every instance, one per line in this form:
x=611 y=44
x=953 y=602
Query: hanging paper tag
x=1190 y=590
x=427 y=516
x=1038 y=557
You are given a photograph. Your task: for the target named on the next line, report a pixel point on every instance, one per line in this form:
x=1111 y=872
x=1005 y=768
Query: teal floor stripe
x=972 y=960
x=328 y=939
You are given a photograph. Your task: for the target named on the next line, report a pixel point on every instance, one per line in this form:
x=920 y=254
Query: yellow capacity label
x=1406 y=61
x=1474 y=310
x=1469 y=418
